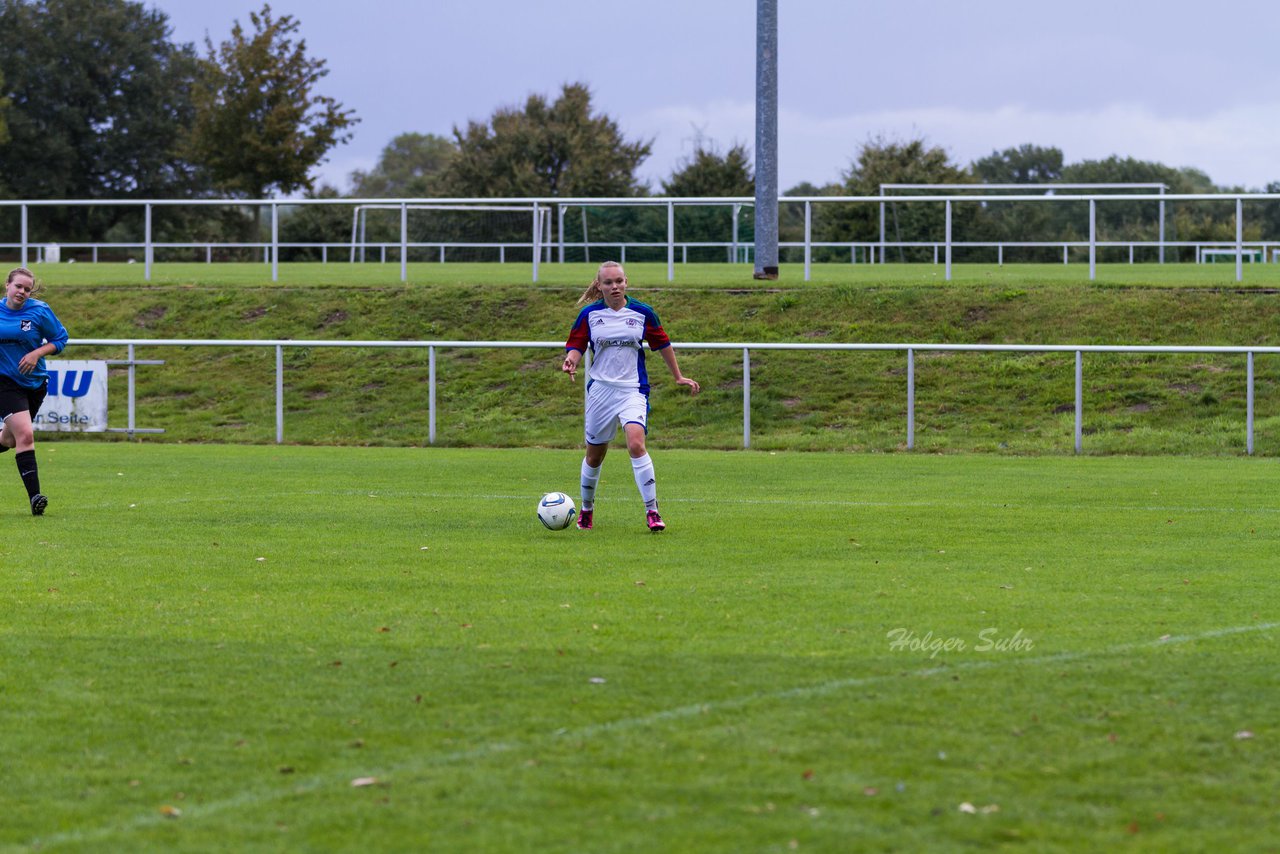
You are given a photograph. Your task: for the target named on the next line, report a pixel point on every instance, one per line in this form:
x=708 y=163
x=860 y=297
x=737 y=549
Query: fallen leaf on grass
x=1243 y=734
x=364 y=781
x=967 y=807
x=170 y=812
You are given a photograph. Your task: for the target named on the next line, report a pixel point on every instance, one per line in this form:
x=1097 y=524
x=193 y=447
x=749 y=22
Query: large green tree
x=547 y=148
x=1025 y=164
x=100 y=99
x=260 y=125
x=708 y=172
x=411 y=166
x=881 y=161
x=5 y=102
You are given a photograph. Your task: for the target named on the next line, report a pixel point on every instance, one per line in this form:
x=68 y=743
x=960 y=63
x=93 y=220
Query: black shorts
x=15 y=398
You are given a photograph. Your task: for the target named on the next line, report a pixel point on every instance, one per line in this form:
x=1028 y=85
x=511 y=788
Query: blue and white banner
x=77 y=399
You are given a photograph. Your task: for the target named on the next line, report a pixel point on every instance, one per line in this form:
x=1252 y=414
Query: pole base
x=767 y=273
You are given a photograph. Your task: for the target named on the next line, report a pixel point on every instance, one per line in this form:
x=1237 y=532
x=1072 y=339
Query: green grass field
x=318 y=648
x=649 y=273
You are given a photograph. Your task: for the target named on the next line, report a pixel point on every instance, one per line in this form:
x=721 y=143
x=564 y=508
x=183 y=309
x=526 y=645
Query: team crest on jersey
x=631 y=321
x=26 y=326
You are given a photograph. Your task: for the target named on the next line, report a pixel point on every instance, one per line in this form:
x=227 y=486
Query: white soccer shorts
x=608 y=408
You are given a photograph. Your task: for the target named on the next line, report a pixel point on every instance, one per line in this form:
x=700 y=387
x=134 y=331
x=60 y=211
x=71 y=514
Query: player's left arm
x=668 y=355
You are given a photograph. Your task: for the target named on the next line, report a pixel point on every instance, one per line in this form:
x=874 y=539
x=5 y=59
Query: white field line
x=749 y=502
x=194 y=812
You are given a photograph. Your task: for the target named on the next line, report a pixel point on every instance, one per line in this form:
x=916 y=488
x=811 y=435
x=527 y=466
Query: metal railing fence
x=909 y=350
x=543 y=246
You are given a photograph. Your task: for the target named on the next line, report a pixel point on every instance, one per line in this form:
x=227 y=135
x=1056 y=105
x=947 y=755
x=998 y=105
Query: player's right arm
x=579 y=340
x=571 y=360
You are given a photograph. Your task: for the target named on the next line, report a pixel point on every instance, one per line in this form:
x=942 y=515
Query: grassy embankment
x=803 y=400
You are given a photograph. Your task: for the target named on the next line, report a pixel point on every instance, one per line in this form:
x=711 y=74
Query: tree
x=411 y=166
x=546 y=149
x=1026 y=164
x=259 y=126
x=884 y=162
x=5 y=102
x=315 y=224
x=100 y=100
x=707 y=172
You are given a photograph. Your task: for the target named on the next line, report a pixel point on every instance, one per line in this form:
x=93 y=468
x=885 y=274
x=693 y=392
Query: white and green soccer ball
x=556 y=511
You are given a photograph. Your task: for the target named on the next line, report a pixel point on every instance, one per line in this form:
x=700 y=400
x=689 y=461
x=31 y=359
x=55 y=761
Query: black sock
x=26 y=461
x=3 y=448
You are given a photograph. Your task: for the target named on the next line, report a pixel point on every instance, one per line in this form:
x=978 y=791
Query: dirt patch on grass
x=146 y=317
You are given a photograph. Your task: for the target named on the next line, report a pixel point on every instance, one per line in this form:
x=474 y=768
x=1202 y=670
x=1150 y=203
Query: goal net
x=441 y=232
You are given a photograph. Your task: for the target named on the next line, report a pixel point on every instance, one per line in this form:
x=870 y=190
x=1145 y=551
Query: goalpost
x=464 y=231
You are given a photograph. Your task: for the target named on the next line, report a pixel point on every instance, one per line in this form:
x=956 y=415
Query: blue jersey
x=24 y=330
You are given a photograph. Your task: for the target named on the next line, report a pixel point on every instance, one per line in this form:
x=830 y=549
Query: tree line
x=97 y=102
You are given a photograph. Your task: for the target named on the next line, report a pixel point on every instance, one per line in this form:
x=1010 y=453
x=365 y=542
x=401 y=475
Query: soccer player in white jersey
x=615 y=327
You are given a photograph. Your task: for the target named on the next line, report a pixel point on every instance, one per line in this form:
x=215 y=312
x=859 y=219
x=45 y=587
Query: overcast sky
x=1180 y=82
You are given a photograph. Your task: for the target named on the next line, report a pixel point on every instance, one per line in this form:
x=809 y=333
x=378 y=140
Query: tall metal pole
x=766 y=139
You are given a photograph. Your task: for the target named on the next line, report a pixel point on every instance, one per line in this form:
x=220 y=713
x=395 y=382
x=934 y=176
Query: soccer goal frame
x=359 y=220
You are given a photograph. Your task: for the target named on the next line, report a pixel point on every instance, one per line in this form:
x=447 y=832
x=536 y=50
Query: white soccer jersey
x=615 y=337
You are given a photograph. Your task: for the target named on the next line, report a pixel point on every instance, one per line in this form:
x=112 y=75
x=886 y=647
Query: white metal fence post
x=911 y=399
x=671 y=242
x=275 y=242
x=1162 y=225
x=431 y=395
x=133 y=372
x=146 y=247
x=279 y=394
x=1239 y=239
x=1093 y=239
x=23 y=261
x=746 y=398
x=1079 y=401
x=536 y=247
x=808 y=235
x=948 y=235
x=1248 y=442
x=404 y=242
x=882 y=243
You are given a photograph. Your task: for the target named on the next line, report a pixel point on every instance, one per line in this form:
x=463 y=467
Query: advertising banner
x=77 y=399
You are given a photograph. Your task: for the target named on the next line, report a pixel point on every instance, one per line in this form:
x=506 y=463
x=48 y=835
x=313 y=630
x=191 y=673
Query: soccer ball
x=556 y=511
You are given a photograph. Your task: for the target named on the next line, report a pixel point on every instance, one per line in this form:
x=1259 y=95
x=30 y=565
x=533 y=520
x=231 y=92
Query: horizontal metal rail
x=910 y=349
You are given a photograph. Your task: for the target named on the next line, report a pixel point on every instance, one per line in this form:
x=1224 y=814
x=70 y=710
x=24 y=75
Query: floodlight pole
x=766 y=139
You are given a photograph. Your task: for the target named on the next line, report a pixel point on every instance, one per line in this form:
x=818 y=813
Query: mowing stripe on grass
x=673 y=714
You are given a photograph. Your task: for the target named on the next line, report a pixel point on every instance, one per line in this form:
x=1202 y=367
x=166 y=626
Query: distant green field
x=379 y=649
x=649 y=274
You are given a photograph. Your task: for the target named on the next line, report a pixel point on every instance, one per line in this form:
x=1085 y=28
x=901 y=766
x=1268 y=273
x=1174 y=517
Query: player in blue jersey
x=29 y=331
x=614 y=327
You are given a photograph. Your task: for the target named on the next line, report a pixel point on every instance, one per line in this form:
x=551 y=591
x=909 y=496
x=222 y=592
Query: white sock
x=590 y=477
x=642 y=468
